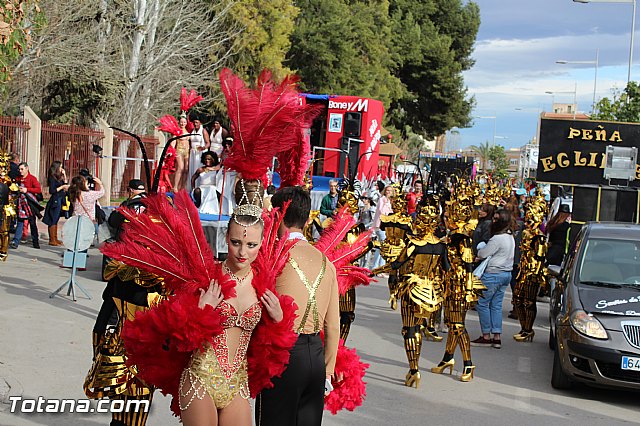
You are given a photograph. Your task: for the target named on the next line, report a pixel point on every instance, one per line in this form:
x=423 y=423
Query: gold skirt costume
x=212 y=372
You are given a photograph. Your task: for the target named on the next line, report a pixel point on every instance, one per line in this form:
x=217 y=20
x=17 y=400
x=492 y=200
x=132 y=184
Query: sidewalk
x=45 y=343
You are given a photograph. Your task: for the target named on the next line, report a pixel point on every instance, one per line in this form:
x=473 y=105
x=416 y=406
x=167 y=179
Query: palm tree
x=483 y=151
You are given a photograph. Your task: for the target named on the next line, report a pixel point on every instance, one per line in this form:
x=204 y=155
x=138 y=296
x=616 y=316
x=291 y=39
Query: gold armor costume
x=128 y=291
x=347 y=301
x=532 y=273
x=7 y=208
x=420 y=271
x=461 y=286
x=396 y=226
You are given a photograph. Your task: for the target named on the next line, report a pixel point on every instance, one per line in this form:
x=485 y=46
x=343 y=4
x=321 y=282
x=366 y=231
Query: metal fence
x=127 y=161
x=14 y=135
x=70 y=144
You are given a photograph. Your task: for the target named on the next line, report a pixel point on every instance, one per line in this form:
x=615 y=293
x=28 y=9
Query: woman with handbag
x=58 y=186
x=83 y=199
x=496 y=278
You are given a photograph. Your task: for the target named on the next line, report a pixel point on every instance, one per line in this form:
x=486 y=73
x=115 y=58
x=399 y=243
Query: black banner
x=573 y=151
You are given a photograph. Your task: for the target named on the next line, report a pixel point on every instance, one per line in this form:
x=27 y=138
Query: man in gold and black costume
x=396 y=227
x=461 y=286
x=7 y=207
x=420 y=268
x=128 y=291
x=347 y=301
x=532 y=275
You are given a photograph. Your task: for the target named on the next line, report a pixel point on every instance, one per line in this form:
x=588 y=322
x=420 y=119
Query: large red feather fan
x=265 y=120
x=342 y=254
x=169 y=124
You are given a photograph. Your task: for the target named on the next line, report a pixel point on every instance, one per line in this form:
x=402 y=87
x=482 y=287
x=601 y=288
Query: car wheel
x=559 y=380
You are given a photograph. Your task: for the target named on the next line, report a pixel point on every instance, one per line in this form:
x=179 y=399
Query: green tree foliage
x=433 y=41
x=264 y=38
x=624 y=106
x=345 y=47
x=499 y=161
x=484 y=152
x=18 y=18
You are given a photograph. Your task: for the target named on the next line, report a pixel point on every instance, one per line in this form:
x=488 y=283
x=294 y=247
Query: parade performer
x=7 y=208
x=461 y=285
x=348 y=199
x=129 y=290
x=532 y=275
x=420 y=267
x=181 y=127
x=395 y=226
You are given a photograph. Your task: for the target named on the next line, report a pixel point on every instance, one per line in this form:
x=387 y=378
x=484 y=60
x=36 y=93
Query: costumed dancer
x=199 y=144
x=7 y=207
x=396 y=227
x=168 y=124
x=348 y=199
x=129 y=290
x=461 y=285
x=183 y=145
x=203 y=182
x=532 y=275
x=421 y=268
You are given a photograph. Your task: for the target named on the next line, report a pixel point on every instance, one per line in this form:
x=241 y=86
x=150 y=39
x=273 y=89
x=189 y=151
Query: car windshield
x=608 y=262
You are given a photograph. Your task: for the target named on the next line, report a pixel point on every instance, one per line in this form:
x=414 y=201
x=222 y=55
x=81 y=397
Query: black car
x=594 y=310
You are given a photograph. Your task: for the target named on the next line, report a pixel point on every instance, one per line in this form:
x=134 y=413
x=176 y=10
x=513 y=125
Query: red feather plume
x=264 y=121
x=169 y=124
x=293 y=164
x=343 y=254
x=350 y=392
x=188 y=101
x=168 y=240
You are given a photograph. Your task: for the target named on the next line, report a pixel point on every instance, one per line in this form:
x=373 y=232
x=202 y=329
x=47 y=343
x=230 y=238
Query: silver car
x=594 y=310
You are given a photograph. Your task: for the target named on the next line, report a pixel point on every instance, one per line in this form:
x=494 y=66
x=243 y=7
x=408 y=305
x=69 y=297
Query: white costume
x=216 y=141
x=226 y=183
x=209 y=194
x=197 y=142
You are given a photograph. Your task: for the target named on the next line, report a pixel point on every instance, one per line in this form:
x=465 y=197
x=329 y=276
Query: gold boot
x=467 y=373
x=431 y=334
x=439 y=369
x=524 y=336
x=412 y=379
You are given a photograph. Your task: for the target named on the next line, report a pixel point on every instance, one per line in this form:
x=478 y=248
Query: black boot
x=36 y=244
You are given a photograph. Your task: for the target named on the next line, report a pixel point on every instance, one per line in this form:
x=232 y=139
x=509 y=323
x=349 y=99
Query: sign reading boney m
x=573 y=151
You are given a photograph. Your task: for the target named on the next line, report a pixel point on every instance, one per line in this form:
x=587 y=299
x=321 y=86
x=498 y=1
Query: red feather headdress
x=188 y=101
x=343 y=254
x=265 y=121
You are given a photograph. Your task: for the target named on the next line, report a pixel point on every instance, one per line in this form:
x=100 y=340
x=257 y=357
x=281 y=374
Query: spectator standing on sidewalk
x=58 y=187
x=496 y=278
x=28 y=206
x=83 y=199
x=329 y=202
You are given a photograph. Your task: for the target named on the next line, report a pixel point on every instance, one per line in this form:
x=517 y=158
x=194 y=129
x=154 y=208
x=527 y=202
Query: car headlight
x=588 y=325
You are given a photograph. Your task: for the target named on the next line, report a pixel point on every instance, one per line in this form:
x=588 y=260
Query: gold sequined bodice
x=423 y=265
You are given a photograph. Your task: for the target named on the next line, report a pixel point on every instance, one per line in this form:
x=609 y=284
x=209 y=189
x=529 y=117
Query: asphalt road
x=45 y=350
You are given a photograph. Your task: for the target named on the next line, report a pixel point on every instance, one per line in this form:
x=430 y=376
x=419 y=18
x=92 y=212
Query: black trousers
x=297 y=399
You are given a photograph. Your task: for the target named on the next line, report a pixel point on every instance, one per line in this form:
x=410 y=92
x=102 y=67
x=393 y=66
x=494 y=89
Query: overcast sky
x=516 y=51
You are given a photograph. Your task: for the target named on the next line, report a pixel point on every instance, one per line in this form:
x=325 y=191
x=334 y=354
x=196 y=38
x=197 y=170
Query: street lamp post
x=595 y=78
x=633 y=26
